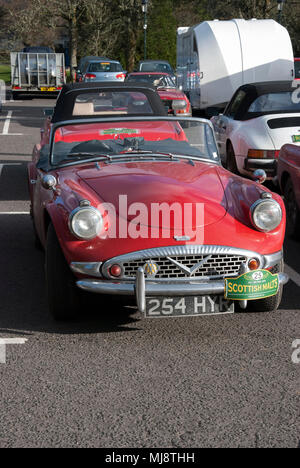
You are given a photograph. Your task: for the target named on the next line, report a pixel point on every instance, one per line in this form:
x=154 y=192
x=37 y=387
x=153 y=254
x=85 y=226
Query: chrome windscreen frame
x=142 y=118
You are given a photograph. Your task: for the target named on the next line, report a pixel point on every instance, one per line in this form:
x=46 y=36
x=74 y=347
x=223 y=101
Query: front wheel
x=63 y=295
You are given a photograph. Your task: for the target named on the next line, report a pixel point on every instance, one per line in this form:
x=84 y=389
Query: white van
x=215 y=58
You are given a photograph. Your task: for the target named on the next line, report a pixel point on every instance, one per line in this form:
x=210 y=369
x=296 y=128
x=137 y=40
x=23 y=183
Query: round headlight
x=86 y=223
x=266 y=215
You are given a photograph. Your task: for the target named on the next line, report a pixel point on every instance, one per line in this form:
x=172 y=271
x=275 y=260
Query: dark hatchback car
x=159 y=66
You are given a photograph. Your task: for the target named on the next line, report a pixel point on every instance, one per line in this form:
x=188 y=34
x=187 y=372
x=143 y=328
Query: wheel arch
x=54 y=215
x=285 y=176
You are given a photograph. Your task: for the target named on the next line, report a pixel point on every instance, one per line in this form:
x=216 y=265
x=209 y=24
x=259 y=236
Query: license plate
x=189 y=306
x=48 y=89
x=296 y=138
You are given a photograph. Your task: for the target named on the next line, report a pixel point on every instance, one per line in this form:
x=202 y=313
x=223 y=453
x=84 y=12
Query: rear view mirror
x=48 y=112
x=212 y=112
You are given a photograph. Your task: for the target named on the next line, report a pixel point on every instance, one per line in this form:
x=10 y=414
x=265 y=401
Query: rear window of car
x=111 y=103
x=156 y=80
x=162 y=67
x=274 y=102
x=102 y=67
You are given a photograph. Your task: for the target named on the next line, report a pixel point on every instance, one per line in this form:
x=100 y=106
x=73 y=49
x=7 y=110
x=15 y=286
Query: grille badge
x=151 y=269
x=192 y=270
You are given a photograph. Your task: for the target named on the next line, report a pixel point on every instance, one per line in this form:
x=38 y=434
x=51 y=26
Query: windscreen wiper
x=135 y=152
x=87 y=155
x=78 y=157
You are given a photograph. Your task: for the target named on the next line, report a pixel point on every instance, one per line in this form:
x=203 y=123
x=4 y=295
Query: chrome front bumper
x=144 y=287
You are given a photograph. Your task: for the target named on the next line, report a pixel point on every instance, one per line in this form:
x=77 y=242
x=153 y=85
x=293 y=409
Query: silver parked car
x=104 y=70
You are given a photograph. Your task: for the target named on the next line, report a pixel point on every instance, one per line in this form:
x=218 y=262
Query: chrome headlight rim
x=72 y=219
x=263 y=202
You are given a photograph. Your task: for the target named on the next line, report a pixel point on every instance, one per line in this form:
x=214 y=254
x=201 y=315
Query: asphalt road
x=113 y=379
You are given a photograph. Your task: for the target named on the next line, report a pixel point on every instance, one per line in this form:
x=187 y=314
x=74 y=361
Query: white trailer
x=35 y=73
x=215 y=57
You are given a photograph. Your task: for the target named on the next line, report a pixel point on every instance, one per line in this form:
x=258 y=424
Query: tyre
x=15 y=96
x=292 y=211
x=230 y=159
x=37 y=242
x=268 y=304
x=63 y=295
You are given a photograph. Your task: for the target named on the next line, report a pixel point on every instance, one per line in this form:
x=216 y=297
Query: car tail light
x=90 y=76
x=179 y=106
x=120 y=76
x=16 y=87
x=262 y=154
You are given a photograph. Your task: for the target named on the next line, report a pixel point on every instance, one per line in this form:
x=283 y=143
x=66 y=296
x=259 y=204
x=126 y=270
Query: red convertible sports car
x=128 y=201
x=289 y=179
x=173 y=98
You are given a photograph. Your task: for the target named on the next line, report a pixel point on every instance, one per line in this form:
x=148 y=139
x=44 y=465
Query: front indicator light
x=253 y=264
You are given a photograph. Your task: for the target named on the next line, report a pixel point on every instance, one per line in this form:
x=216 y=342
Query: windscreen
x=138 y=137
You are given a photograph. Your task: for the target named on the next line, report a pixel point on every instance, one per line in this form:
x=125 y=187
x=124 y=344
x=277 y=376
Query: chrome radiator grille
x=216 y=266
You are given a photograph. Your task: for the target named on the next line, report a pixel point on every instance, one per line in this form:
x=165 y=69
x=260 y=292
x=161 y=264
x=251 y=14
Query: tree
x=69 y=13
x=162 y=31
x=25 y=23
x=97 y=29
x=129 y=13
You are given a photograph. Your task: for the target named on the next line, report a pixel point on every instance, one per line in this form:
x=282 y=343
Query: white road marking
x=7 y=124
x=8 y=341
x=8 y=164
x=14 y=213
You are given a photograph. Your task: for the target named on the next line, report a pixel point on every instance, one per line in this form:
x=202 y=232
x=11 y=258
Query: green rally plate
x=256 y=284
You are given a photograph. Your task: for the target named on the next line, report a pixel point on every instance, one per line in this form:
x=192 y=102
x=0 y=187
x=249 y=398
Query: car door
x=225 y=123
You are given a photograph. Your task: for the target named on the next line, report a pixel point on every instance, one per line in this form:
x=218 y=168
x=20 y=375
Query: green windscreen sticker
x=252 y=285
x=120 y=131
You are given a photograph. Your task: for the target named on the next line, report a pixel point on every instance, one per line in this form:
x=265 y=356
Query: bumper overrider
x=191 y=281
x=268 y=165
